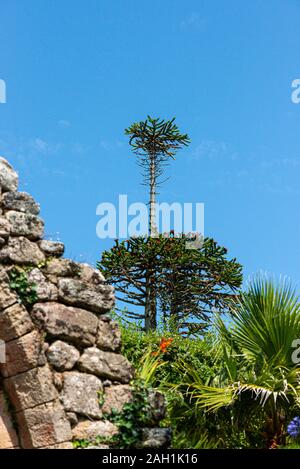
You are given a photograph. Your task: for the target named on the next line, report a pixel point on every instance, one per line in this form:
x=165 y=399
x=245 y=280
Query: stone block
x=52 y=248
x=62 y=356
x=87 y=430
x=15 y=322
x=25 y=224
x=8 y=176
x=44 y=425
x=21 y=251
x=66 y=323
x=107 y=365
x=115 y=397
x=96 y=298
x=8 y=436
x=20 y=202
x=7 y=296
x=23 y=354
x=109 y=335
x=80 y=394
x=45 y=290
x=31 y=388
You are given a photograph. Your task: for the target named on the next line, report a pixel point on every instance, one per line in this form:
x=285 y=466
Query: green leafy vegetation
x=132 y=418
x=235 y=387
x=19 y=282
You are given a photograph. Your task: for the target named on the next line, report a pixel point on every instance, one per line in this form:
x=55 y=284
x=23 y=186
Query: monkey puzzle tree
x=156 y=273
x=190 y=284
x=155 y=142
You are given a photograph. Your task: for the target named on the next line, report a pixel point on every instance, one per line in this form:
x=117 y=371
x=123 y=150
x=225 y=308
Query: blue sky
x=79 y=72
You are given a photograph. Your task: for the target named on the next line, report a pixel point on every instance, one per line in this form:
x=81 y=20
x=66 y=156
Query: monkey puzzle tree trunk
x=152 y=214
x=150 y=307
x=174 y=320
x=151 y=304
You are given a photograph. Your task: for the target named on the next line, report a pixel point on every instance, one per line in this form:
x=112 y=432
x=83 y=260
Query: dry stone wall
x=63 y=351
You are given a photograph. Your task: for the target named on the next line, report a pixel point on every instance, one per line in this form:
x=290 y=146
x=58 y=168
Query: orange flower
x=164 y=344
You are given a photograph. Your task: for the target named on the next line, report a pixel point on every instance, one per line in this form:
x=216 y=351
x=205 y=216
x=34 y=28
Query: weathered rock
x=8 y=176
x=156 y=438
x=62 y=268
x=14 y=322
x=58 y=380
x=52 y=248
x=157 y=407
x=100 y=446
x=106 y=365
x=46 y=345
x=115 y=397
x=98 y=299
x=80 y=394
x=66 y=323
x=31 y=388
x=62 y=356
x=21 y=251
x=45 y=290
x=87 y=430
x=23 y=354
x=65 y=445
x=109 y=335
x=21 y=202
x=8 y=436
x=44 y=425
x=25 y=224
x=7 y=296
x=4 y=227
x=89 y=275
x=106 y=383
x=72 y=417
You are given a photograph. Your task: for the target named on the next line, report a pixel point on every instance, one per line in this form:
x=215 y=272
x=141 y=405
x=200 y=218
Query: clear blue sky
x=79 y=72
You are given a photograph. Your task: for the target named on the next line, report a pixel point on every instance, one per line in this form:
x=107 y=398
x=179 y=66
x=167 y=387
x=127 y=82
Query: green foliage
x=81 y=444
x=196 y=352
x=189 y=284
x=290 y=446
x=85 y=443
x=257 y=381
x=266 y=320
x=156 y=136
x=25 y=290
x=149 y=366
x=160 y=366
x=237 y=386
x=132 y=418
